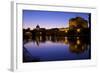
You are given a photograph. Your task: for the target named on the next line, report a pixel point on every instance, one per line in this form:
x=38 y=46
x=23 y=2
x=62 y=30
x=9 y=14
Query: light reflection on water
x=56 y=48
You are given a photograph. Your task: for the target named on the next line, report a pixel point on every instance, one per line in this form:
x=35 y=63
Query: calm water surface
x=56 y=49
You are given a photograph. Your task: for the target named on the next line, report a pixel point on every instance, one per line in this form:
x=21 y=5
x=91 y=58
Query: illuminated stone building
x=78 y=22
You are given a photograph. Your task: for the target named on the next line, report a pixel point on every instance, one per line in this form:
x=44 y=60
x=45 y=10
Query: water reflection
x=78 y=44
x=52 y=48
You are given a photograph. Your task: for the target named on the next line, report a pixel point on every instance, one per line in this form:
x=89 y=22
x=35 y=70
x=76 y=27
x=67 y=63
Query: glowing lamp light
x=78 y=42
x=66 y=31
x=78 y=30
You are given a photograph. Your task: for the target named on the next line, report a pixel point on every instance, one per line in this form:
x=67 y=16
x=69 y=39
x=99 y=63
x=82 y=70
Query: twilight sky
x=49 y=19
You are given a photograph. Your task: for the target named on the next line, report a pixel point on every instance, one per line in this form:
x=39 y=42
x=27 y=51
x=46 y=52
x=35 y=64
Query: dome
x=37 y=26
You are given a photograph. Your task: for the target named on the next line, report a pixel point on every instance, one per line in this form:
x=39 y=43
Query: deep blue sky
x=49 y=19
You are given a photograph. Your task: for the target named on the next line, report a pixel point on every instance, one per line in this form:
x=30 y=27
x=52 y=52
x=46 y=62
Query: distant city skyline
x=49 y=19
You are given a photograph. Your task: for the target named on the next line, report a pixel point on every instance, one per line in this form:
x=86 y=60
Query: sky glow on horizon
x=49 y=19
